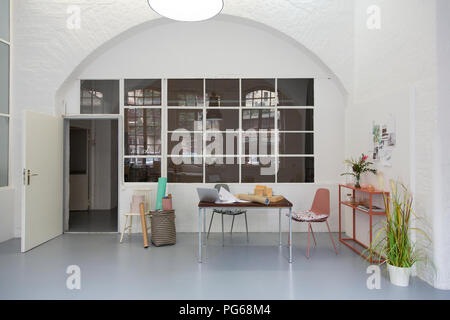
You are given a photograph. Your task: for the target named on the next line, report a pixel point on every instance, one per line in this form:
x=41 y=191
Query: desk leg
x=204 y=227
x=290 y=235
x=279 y=225
x=370 y=243
x=340 y=209
x=200 y=235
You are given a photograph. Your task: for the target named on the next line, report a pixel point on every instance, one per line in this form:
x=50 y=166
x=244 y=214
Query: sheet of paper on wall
x=386 y=157
x=227 y=197
x=384 y=141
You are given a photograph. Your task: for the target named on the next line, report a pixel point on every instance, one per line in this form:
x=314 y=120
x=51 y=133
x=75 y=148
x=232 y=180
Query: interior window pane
x=142 y=131
x=295 y=92
x=222 y=143
x=258 y=169
x=258 y=119
x=99 y=97
x=4 y=78
x=221 y=120
x=296 y=170
x=262 y=143
x=295 y=119
x=185 y=92
x=185 y=119
x=185 y=143
x=296 y=143
x=4 y=151
x=185 y=169
x=148 y=89
x=4 y=20
x=222 y=92
x=142 y=169
x=258 y=92
x=222 y=170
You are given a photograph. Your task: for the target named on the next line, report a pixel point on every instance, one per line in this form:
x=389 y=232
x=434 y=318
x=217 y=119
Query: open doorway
x=93 y=176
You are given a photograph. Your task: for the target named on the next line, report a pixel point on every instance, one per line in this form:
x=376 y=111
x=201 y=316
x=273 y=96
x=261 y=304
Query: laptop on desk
x=208 y=195
x=214 y=196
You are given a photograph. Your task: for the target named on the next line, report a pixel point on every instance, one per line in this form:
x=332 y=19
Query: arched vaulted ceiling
x=322 y=27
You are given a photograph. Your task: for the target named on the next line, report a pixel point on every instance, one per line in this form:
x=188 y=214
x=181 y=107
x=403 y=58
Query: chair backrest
x=225 y=186
x=321 y=203
x=148 y=194
x=135 y=202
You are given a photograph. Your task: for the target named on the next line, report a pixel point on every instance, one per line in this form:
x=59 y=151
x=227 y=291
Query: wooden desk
x=202 y=206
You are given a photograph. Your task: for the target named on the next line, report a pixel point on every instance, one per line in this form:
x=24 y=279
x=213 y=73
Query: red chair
x=319 y=212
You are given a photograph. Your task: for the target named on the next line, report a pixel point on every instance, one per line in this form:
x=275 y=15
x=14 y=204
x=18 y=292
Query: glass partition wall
x=4 y=91
x=142 y=130
x=212 y=130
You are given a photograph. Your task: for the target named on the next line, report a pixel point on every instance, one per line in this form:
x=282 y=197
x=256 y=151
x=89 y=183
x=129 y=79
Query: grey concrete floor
x=257 y=270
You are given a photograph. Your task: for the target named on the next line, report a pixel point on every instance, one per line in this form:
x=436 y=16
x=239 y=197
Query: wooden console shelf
x=349 y=241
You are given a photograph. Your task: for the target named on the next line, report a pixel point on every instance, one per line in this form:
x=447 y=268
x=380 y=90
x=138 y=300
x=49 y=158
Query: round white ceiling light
x=187 y=10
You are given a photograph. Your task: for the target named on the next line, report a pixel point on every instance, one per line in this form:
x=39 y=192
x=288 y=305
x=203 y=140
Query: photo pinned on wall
x=384 y=141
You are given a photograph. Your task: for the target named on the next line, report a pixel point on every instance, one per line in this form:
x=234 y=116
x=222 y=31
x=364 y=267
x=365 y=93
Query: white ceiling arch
x=226 y=18
x=323 y=27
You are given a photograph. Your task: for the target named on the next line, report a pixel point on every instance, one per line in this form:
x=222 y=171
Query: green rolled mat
x=161 y=192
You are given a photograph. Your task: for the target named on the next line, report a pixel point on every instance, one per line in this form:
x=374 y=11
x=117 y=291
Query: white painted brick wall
x=390 y=64
x=46 y=51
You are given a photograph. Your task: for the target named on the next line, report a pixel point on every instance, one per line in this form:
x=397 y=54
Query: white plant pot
x=399 y=276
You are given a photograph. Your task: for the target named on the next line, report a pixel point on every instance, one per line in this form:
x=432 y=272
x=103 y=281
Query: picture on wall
x=384 y=140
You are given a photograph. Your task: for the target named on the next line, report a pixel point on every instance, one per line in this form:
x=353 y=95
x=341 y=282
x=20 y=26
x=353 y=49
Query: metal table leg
x=223 y=233
x=200 y=235
x=279 y=225
x=204 y=227
x=290 y=235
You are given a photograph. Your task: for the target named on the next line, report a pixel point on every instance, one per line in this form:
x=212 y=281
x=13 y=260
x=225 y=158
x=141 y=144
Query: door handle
x=29 y=175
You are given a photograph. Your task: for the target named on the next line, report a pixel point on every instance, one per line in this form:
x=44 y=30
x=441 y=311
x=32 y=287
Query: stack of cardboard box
x=263 y=191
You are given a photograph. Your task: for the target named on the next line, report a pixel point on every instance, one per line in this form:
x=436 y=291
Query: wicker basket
x=163 y=232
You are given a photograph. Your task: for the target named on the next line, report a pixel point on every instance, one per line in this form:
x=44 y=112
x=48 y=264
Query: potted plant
x=359 y=166
x=393 y=240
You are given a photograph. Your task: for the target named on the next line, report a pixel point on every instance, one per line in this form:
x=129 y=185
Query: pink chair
x=319 y=212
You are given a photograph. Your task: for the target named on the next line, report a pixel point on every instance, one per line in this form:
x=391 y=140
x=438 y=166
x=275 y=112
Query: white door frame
x=66 y=168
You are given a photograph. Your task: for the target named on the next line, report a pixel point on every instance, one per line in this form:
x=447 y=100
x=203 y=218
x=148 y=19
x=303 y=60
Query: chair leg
x=307 y=250
x=223 y=234
x=210 y=223
x=331 y=236
x=124 y=228
x=314 y=237
x=131 y=226
x=232 y=224
x=246 y=224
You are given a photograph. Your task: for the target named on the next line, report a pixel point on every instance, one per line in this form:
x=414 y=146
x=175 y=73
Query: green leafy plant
x=393 y=240
x=359 y=166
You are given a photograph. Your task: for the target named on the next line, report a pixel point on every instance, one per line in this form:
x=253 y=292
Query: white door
x=42 y=217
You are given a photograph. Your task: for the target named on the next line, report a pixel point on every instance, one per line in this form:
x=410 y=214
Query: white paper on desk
x=227 y=197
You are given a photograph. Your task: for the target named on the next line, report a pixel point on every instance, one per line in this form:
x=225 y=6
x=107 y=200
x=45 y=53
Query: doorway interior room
x=93 y=182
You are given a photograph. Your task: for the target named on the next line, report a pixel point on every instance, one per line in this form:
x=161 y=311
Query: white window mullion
x=240 y=132
x=204 y=131
x=164 y=128
x=276 y=131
